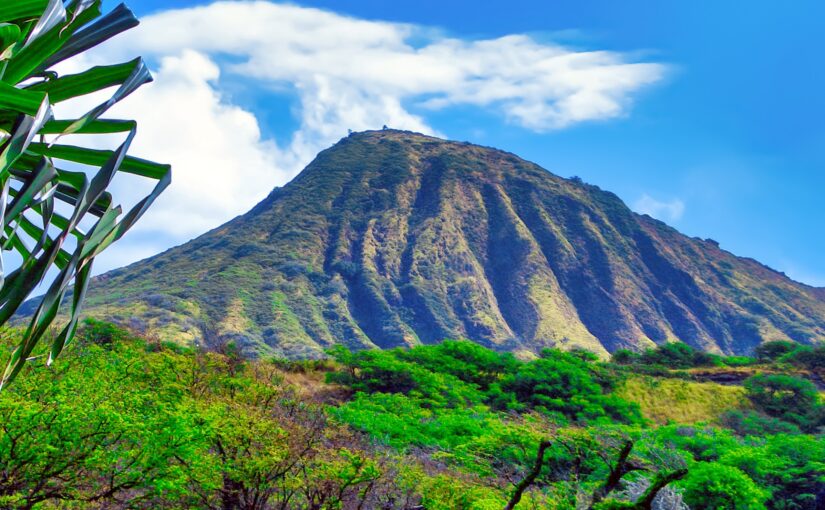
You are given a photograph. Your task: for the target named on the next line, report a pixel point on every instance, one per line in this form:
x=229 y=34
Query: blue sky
x=727 y=142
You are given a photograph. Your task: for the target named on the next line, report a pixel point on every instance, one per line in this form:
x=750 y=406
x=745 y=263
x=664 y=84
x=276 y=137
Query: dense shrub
x=750 y=423
x=468 y=361
x=562 y=383
x=790 y=467
x=810 y=358
x=771 y=351
x=712 y=486
x=375 y=371
x=737 y=361
x=677 y=355
x=462 y=373
x=100 y=333
x=625 y=357
x=786 y=397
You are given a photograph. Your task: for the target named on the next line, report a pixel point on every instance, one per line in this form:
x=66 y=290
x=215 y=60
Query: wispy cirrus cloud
x=344 y=73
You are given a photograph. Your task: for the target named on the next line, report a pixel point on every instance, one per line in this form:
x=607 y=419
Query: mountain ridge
x=394 y=238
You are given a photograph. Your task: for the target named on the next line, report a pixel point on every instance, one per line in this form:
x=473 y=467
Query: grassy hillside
x=124 y=422
x=392 y=238
x=666 y=401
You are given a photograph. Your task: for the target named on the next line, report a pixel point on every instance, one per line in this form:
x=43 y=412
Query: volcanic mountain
x=392 y=238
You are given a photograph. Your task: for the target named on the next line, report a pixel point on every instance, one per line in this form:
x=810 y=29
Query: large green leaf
x=19 y=100
x=117 y=21
x=94 y=79
x=16 y=10
x=55 y=127
x=98 y=157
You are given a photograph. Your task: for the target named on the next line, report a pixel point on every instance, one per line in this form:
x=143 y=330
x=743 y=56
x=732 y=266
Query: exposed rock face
x=392 y=238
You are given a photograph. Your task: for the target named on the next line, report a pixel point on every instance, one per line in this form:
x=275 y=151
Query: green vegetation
x=787 y=398
x=560 y=386
x=675 y=400
x=123 y=422
x=56 y=219
x=670 y=355
x=712 y=486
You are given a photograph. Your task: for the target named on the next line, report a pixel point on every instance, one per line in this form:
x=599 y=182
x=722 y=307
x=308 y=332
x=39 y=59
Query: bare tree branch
x=528 y=480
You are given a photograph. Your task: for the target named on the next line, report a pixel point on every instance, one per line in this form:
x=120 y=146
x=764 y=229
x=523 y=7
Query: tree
x=663 y=476
x=811 y=358
x=36 y=177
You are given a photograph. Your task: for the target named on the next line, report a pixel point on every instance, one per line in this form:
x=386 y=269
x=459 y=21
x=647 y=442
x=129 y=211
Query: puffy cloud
x=667 y=211
x=216 y=148
x=344 y=73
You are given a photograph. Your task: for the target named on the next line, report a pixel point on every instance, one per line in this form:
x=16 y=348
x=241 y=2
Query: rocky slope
x=392 y=238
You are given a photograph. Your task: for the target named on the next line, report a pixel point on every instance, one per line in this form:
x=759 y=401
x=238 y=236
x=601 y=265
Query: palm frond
x=34 y=36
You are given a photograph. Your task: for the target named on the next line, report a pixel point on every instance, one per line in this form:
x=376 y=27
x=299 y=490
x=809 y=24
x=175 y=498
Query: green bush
x=790 y=467
x=772 y=351
x=810 y=358
x=374 y=371
x=461 y=373
x=750 y=423
x=737 y=361
x=563 y=383
x=677 y=355
x=101 y=333
x=786 y=397
x=625 y=357
x=468 y=361
x=713 y=486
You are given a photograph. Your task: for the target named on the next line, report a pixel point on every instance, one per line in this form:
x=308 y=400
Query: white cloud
x=216 y=148
x=347 y=73
x=667 y=211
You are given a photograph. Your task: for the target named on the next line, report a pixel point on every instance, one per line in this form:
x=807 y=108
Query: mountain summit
x=393 y=238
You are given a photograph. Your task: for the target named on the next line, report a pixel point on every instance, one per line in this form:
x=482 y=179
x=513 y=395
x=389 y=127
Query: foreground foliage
x=55 y=210
x=126 y=423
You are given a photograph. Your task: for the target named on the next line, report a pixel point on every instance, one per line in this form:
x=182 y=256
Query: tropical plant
x=56 y=212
